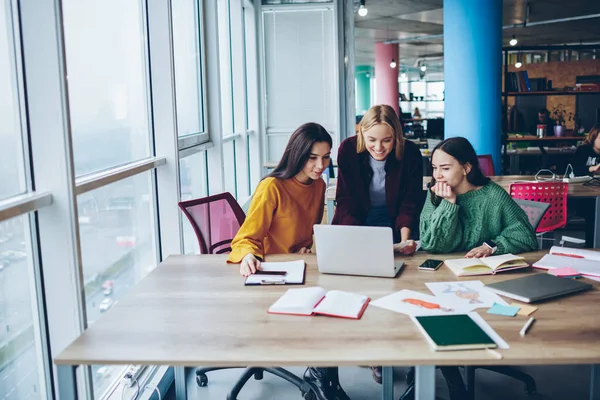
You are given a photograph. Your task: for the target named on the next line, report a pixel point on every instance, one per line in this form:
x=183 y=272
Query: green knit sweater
x=485 y=214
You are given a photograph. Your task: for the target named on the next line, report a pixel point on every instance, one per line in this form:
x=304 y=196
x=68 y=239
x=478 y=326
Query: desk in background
x=576 y=190
x=195 y=311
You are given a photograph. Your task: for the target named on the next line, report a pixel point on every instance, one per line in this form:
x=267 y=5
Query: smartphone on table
x=430 y=265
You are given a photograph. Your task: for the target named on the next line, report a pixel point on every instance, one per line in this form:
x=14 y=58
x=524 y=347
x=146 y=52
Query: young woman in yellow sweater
x=284 y=208
x=287 y=203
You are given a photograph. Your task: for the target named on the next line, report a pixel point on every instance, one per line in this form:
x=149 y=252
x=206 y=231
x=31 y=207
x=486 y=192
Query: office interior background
x=111 y=112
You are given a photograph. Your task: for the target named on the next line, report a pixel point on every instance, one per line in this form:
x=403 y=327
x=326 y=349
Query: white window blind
x=300 y=73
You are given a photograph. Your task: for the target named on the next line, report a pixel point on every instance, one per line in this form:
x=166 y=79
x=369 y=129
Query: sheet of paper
x=524 y=309
x=468 y=295
x=489 y=330
x=294 y=269
x=414 y=303
x=499 y=309
x=581 y=265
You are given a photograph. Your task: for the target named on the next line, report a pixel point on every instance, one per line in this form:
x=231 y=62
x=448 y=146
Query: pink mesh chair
x=216 y=220
x=486 y=163
x=551 y=192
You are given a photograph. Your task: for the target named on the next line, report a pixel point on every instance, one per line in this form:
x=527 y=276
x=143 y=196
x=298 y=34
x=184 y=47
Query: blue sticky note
x=499 y=309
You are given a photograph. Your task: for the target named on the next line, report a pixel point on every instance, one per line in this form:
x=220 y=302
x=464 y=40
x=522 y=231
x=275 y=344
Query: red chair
x=486 y=163
x=216 y=220
x=551 y=192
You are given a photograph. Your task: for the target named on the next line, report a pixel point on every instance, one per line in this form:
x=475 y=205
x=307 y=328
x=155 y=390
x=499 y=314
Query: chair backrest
x=216 y=220
x=486 y=163
x=552 y=192
x=535 y=210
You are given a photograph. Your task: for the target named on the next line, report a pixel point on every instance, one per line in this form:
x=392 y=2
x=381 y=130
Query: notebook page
x=459 y=265
x=495 y=261
x=298 y=301
x=294 y=269
x=341 y=304
x=574 y=252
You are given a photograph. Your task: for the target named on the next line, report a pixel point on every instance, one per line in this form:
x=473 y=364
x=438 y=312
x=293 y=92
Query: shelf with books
x=552 y=93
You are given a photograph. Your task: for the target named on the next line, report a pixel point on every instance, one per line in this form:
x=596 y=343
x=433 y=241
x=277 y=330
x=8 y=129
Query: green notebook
x=454 y=332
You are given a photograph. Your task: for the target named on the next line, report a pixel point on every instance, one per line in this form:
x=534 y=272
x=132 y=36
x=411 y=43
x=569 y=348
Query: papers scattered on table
x=468 y=295
x=414 y=303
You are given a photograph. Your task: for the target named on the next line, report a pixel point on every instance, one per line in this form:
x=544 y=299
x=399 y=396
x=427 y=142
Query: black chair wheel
x=202 y=380
x=309 y=395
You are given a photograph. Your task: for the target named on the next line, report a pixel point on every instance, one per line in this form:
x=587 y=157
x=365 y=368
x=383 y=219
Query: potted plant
x=561 y=116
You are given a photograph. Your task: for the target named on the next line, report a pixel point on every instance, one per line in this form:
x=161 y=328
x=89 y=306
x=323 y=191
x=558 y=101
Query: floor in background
x=553 y=382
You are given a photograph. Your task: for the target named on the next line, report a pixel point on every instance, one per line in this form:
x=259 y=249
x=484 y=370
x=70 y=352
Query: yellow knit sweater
x=280 y=218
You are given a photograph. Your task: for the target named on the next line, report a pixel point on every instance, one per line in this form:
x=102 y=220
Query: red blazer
x=403 y=186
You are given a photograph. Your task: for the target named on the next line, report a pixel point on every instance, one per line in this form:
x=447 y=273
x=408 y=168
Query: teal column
x=472 y=73
x=363 y=76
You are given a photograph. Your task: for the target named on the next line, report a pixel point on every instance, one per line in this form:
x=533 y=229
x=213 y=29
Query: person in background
x=285 y=206
x=586 y=160
x=465 y=211
x=543 y=118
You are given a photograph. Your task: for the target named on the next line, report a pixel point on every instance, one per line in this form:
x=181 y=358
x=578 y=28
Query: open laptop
x=356 y=250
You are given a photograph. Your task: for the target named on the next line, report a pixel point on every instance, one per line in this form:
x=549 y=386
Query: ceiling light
x=362 y=9
x=423 y=67
x=518 y=64
x=403 y=75
x=513 y=41
x=393 y=64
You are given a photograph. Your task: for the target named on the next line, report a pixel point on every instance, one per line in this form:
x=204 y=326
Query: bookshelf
x=552 y=93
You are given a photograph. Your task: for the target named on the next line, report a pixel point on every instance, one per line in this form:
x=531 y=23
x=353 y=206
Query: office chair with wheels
x=216 y=220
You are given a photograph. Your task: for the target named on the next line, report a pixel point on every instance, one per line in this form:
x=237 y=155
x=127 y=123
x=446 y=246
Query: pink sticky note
x=565 y=271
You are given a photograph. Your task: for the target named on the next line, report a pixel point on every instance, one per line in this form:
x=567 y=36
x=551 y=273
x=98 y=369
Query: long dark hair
x=462 y=150
x=298 y=149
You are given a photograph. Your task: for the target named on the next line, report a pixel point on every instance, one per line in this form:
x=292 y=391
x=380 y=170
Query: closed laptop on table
x=538 y=287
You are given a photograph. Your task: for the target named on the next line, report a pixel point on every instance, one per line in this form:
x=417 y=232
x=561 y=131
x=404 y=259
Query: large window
x=12 y=178
x=187 y=44
x=107 y=81
x=20 y=356
x=117 y=236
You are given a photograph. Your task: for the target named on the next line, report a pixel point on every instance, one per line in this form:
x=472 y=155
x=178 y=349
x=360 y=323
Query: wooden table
x=195 y=311
x=576 y=190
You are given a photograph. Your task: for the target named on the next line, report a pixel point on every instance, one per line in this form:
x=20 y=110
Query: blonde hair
x=591 y=137
x=381 y=114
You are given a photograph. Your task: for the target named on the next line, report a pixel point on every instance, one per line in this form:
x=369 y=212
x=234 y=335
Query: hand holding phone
x=430 y=265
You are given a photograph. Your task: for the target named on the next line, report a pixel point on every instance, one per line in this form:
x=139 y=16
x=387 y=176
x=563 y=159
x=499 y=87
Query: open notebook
x=485 y=266
x=316 y=300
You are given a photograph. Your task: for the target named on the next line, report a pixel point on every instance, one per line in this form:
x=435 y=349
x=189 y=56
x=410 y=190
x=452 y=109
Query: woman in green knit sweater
x=465 y=211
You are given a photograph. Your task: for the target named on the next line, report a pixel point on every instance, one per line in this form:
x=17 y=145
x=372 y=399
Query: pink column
x=386 y=78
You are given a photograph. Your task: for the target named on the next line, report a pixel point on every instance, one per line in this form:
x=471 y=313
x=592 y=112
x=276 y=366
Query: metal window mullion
x=214 y=155
x=53 y=170
x=97 y=180
x=164 y=124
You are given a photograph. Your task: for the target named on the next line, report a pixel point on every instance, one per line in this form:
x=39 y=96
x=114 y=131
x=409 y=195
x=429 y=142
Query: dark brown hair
x=297 y=151
x=462 y=150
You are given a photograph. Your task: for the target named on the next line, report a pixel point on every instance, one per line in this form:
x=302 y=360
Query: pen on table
x=526 y=326
x=494 y=353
